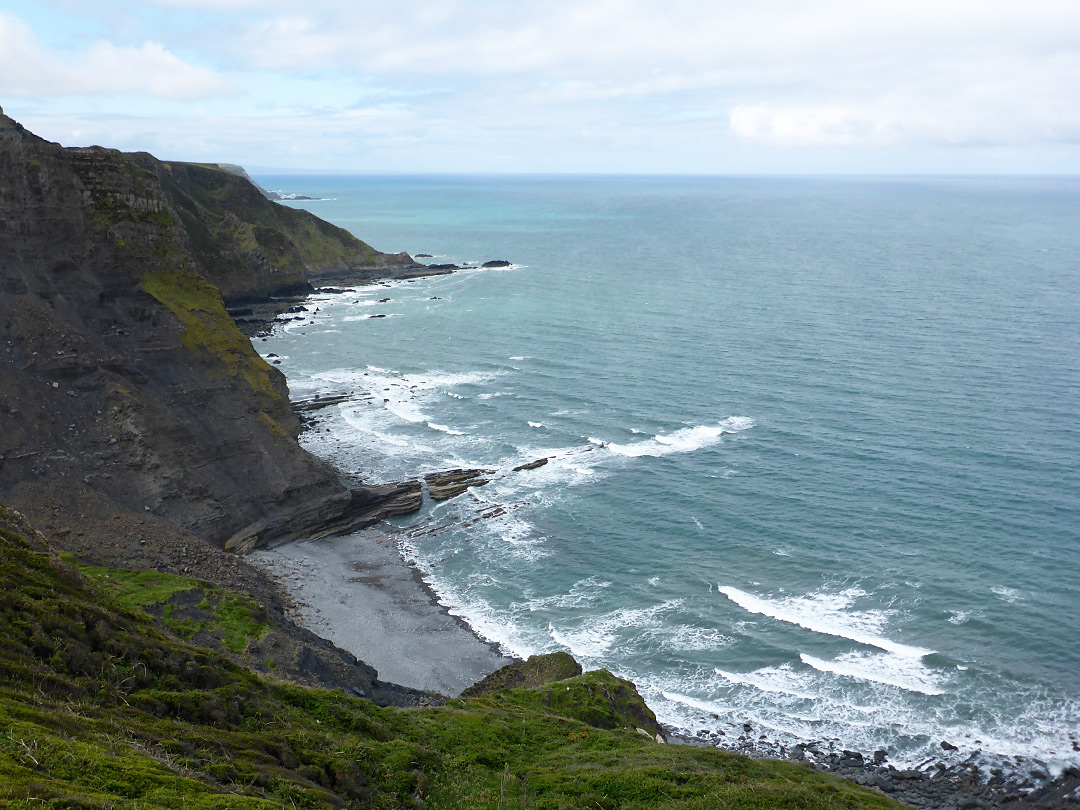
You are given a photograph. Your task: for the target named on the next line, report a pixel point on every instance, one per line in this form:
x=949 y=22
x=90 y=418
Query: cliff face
x=249 y=247
x=120 y=369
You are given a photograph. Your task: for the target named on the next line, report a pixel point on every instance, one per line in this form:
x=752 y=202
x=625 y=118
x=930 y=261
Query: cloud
x=27 y=70
x=810 y=73
x=683 y=85
x=1006 y=101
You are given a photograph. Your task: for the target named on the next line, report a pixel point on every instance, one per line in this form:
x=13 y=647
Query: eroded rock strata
x=445 y=485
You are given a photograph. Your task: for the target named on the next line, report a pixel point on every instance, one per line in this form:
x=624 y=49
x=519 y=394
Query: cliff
x=123 y=377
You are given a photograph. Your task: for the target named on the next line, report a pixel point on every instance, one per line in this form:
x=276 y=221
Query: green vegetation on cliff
x=211 y=616
x=247 y=244
x=102 y=706
x=198 y=306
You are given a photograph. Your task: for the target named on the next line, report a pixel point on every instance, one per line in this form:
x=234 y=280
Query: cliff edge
x=123 y=377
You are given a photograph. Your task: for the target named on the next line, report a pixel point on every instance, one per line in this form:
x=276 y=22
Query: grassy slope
x=101 y=706
x=217 y=205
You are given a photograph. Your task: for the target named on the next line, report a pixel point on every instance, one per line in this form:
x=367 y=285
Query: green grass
x=230 y=619
x=102 y=707
x=133 y=590
x=238 y=620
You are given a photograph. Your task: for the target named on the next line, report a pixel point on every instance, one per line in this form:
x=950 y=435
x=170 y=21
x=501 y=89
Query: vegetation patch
x=136 y=590
x=198 y=306
x=537 y=670
x=102 y=706
x=190 y=608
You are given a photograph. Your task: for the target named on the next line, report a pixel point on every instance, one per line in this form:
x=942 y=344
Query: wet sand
x=359 y=593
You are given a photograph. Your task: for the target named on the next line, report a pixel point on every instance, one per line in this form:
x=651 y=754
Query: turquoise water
x=814 y=442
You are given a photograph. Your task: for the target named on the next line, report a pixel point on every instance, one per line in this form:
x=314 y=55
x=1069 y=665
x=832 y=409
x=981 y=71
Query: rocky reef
x=122 y=373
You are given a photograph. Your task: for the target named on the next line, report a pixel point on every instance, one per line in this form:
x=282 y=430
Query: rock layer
x=445 y=485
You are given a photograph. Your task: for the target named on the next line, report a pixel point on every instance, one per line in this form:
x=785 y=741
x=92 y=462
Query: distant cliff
x=122 y=374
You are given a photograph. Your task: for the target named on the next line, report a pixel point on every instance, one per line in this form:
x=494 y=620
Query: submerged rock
x=532 y=465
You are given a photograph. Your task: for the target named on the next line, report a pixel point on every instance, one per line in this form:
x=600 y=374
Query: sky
x=594 y=86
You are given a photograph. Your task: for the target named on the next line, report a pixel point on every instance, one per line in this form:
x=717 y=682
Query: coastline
x=330 y=578
x=358 y=592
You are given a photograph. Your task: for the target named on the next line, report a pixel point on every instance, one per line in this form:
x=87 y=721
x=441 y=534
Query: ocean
x=813 y=443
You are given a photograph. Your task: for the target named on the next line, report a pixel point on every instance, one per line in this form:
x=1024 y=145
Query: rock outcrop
x=532 y=465
x=120 y=369
x=534 y=672
x=445 y=485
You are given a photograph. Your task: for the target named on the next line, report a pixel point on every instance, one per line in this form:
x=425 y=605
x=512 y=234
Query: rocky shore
x=358 y=592
x=937 y=783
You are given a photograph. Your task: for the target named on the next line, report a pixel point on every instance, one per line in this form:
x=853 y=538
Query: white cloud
x=823 y=72
x=1005 y=101
x=572 y=84
x=28 y=70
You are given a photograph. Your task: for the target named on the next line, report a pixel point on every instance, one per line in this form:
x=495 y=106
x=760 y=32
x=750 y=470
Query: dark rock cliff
x=121 y=371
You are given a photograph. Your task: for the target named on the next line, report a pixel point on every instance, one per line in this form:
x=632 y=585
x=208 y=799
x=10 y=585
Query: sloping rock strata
x=445 y=485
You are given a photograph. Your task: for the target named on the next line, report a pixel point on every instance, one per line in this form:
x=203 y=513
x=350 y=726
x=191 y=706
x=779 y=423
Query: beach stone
x=948 y=746
x=881 y=783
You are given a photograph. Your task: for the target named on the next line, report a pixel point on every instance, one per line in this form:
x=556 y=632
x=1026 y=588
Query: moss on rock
x=198 y=306
x=537 y=670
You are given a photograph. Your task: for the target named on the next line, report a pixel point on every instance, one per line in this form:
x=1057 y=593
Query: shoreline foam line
x=899 y=671
x=818 y=618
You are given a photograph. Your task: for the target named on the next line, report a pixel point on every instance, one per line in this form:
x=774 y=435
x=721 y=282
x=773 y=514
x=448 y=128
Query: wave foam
x=406 y=411
x=445 y=429
x=828 y=614
x=900 y=671
x=686 y=440
x=693 y=639
x=595 y=635
x=777 y=680
x=960 y=616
